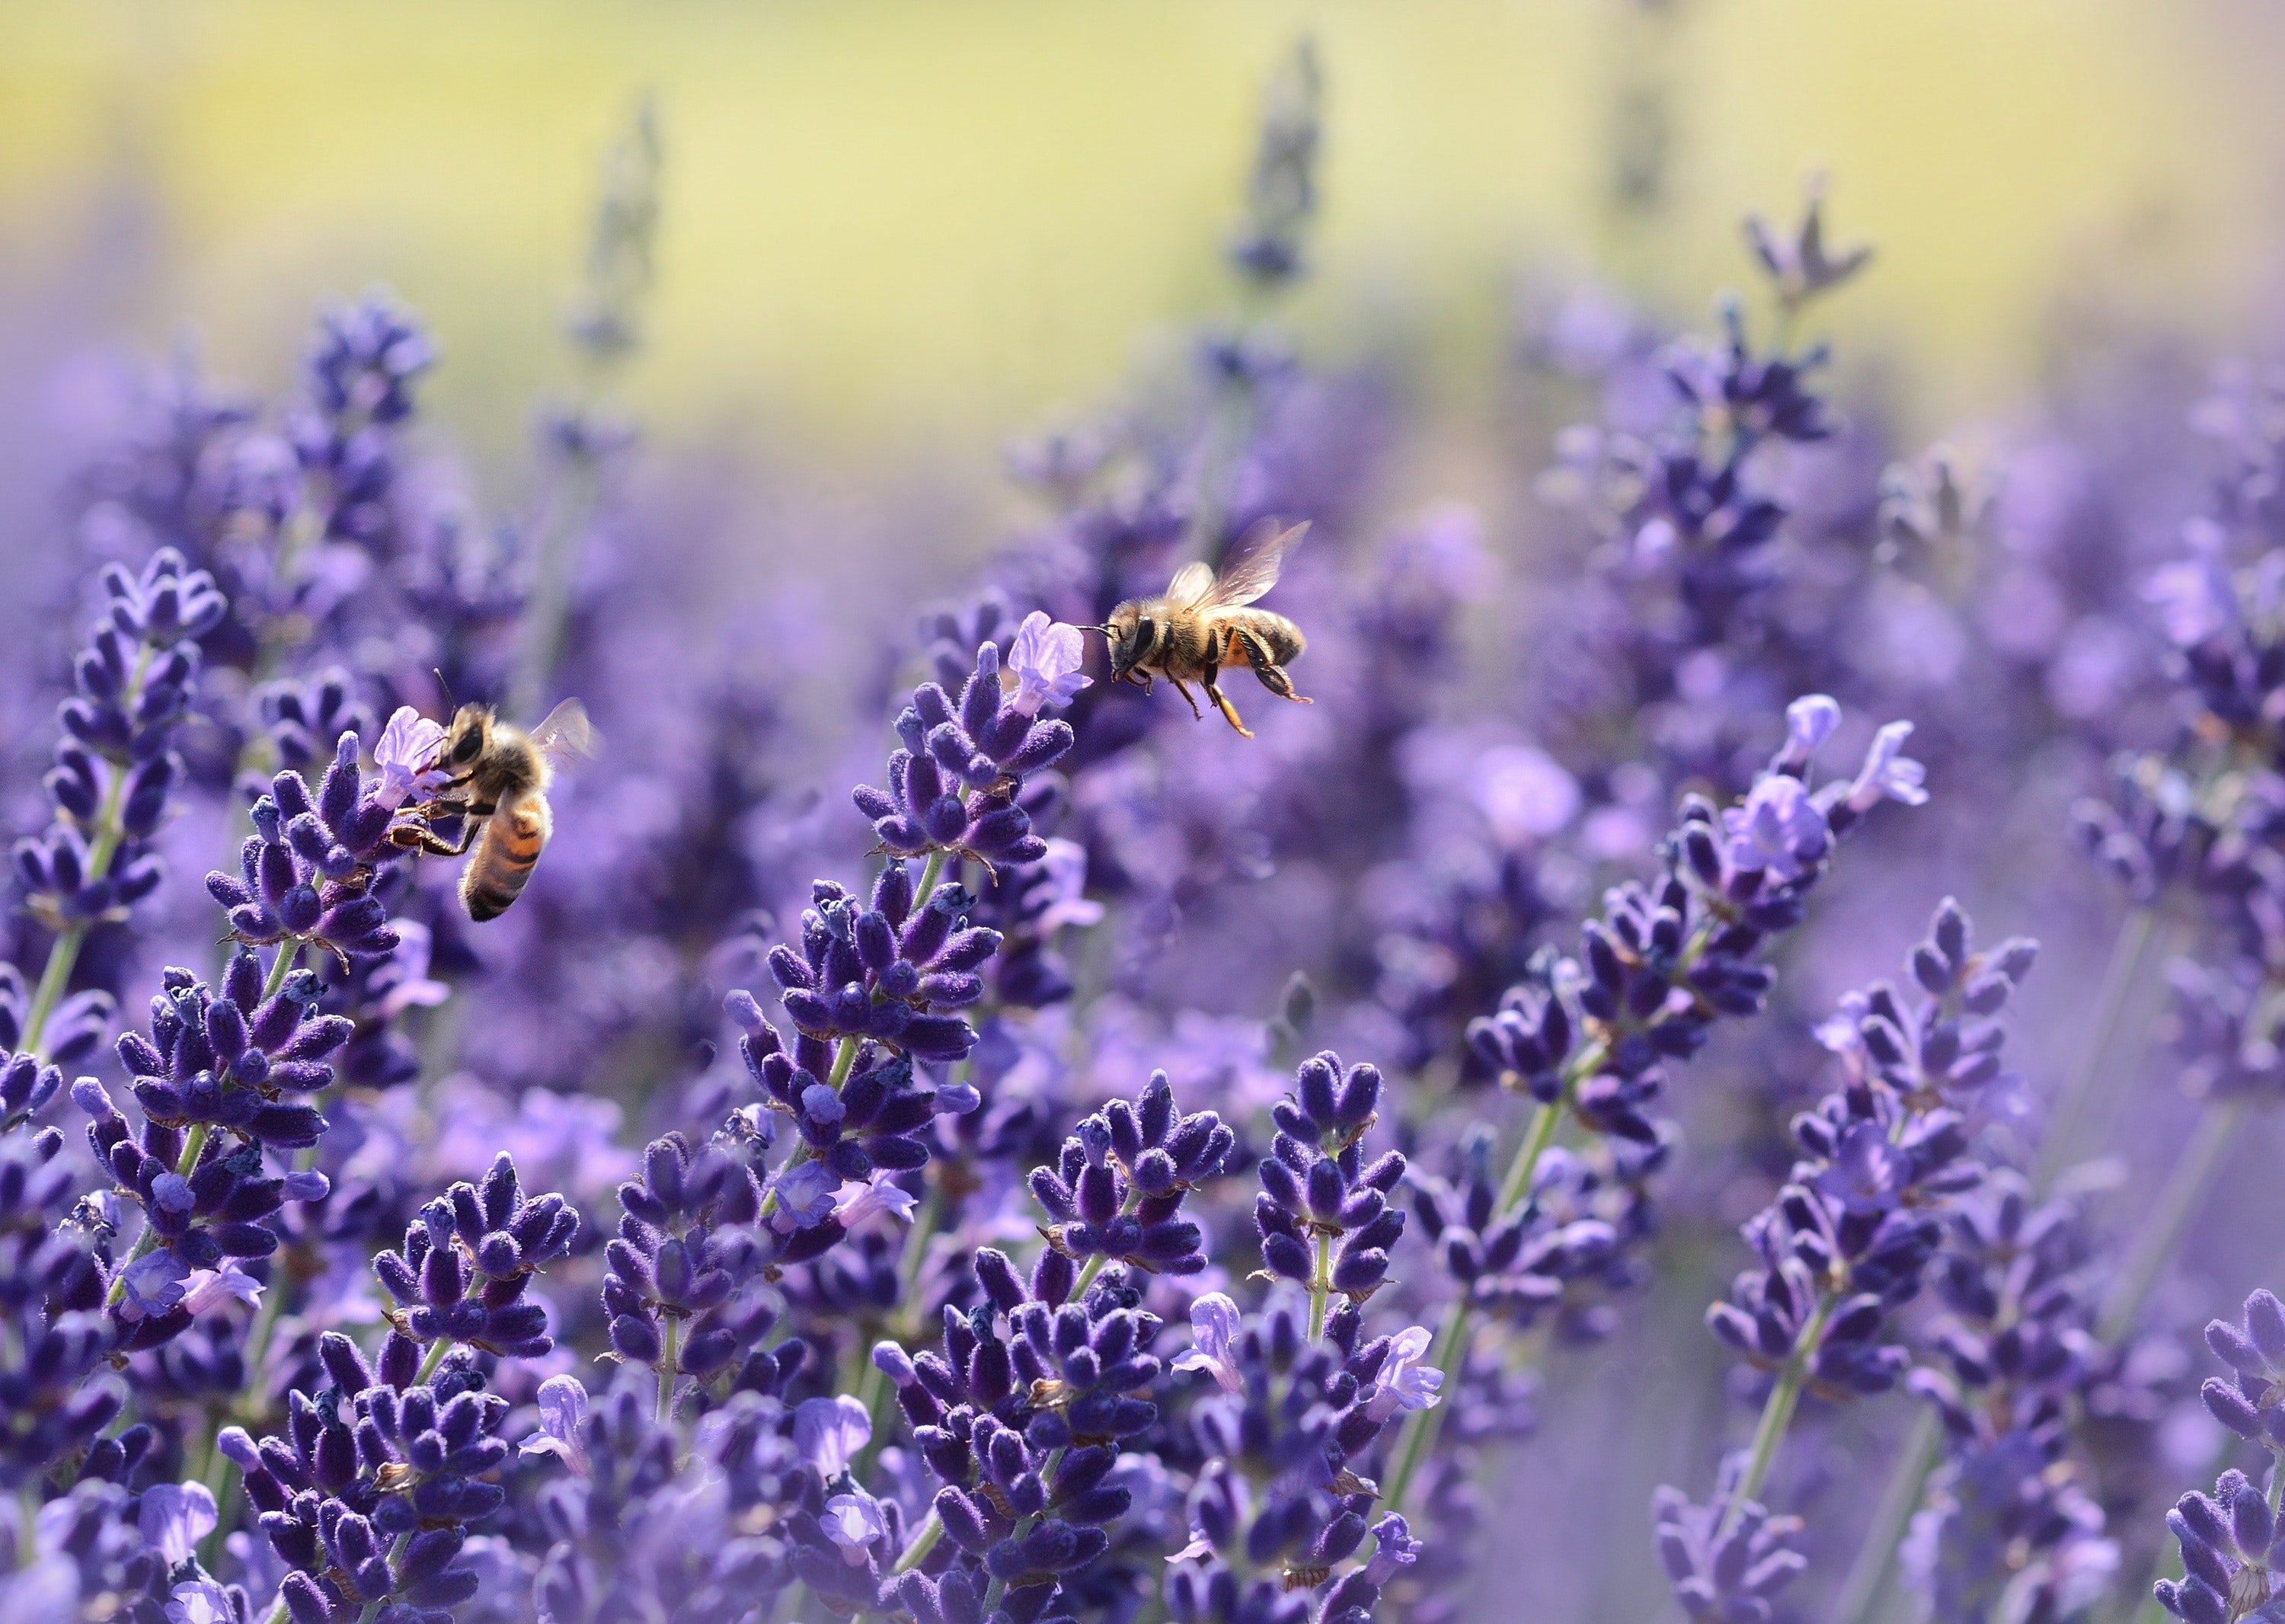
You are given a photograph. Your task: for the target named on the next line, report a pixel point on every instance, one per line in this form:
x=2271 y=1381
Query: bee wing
x=1261 y=556
x=566 y=734
x=1191 y=584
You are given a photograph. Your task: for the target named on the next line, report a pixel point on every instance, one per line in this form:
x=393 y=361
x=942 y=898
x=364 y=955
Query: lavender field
x=1650 y=987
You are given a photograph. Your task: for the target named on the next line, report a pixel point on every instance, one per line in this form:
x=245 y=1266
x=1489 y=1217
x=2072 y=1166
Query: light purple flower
x=1198 y=1549
x=1405 y=1383
x=562 y=1409
x=1888 y=774
x=1778 y=829
x=402 y=981
x=1809 y=722
x=153 y=1284
x=2193 y=596
x=402 y=756
x=1397 y=1549
x=1042 y=668
x=1065 y=867
x=1214 y=1325
x=306 y=1184
x=860 y=1203
x=173 y=1517
x=854 y=1522
x=805 y=1195
x=209 y=1289
x=199 y=1601
x=1868 y=1173
x=829 y=1432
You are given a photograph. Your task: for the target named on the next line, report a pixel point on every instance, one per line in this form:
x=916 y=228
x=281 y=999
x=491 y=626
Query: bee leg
x=1222 y=702
x=1272 y=674
x=416 y=838
x=1182 y=688
x=419 y=837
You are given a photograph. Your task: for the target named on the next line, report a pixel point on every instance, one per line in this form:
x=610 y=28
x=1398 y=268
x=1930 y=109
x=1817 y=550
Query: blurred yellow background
x=929 y=225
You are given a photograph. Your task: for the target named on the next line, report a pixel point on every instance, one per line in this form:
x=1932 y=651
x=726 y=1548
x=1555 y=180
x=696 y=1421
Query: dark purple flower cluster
x=1117 y=1189
x=857 y=1105
x=1851 y=1234
x=2009 y=1524
x=1019 y=1417
x=461 y=1275
x=1560 y=1253
x=2233 y=1554
x=223 y=1076
x=116 y=770
x=953 y=787
x=53 y=1380
x=680 y=1273
x=1727 y=1559
x=1280 y=1506
x=306 y=874
x=368 y=1496
x=891 y=972
x=1667 y=962
x=1323 y=1212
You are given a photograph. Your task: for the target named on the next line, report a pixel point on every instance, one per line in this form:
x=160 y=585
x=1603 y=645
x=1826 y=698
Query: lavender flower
x=461 y=1275
x=1317 y=1187
x=1117 y=1190
x=1728 y=1557
x=114 y=771
x=952 y=786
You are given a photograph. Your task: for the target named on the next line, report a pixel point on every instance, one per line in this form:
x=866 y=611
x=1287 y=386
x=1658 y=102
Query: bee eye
x=465 y=752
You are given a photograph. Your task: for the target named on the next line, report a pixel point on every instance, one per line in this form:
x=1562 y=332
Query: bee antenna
x=446 y=687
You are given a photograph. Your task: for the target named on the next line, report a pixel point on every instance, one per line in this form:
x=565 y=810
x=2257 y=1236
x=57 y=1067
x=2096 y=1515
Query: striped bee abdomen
x=504 y=852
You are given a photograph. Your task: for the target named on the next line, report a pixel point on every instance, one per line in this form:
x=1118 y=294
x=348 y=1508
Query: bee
x=1201 y=623
x=497 y=785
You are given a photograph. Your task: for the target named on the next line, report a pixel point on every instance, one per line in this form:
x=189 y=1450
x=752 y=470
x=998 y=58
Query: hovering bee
x=1201 y=624
x=498 y=788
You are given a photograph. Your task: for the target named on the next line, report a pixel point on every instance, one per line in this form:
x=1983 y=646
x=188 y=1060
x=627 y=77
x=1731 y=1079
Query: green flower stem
x=102 y=849
x=280 y=967
x=668 y=1379
x=1449 y=1351
x=1868 y=1575
x=2177 y=1202
x=923 y=1541
x=1320 y=1284
x=2066 y=1119
x=930 y=875
x=1777 y=1412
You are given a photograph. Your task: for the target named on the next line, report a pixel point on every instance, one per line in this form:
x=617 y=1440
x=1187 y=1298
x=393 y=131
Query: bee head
x=1123 y=633
x=466 y=739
